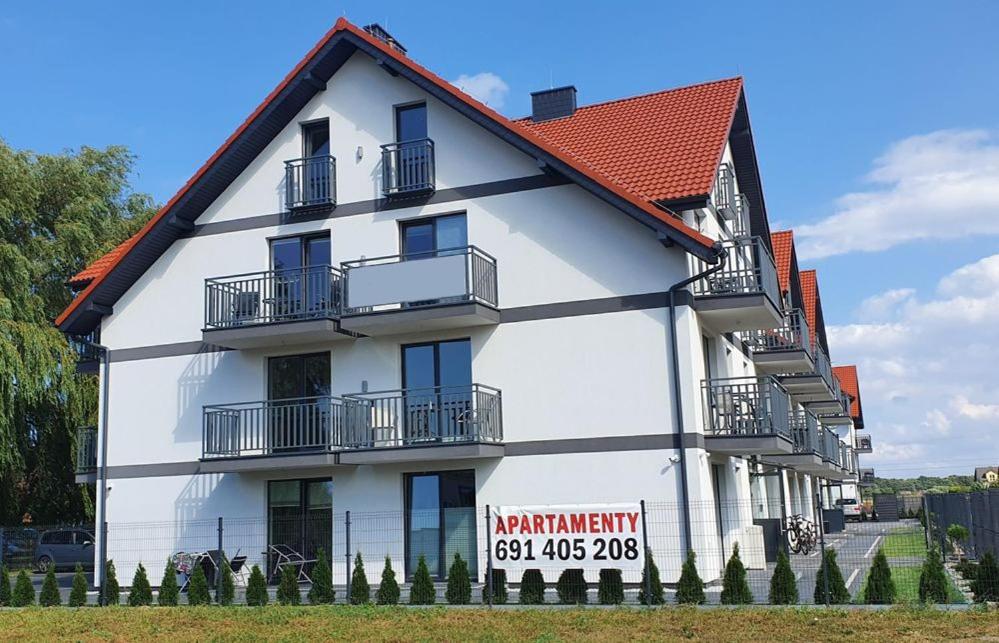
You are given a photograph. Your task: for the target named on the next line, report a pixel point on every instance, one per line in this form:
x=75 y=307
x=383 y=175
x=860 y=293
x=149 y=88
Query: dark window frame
x=402 y=107
x=303 y=507
x=441 y=572
x=432 y=220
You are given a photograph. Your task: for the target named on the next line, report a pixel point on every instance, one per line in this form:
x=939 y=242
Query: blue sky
x=830 y=90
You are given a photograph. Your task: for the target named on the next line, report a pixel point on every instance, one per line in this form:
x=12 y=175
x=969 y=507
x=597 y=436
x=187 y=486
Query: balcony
x=87 y=354
x=744 y=294
x=273 y=308
x=834 y=412
x=787 y=349
x=429 y=423
x=814 y=387
x=442 y=423
x=310 y=183
x=807 y=456
x=746 y=416
x=866 y=477
x=453 y=288
x=864 y=444
x=408 y=168
x=86 y=450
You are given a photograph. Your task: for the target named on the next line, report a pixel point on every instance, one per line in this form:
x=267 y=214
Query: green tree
x=532 y=587
x=197 y=588
x=169 y=591
x=783 y=587
x=321 y=592
x=957 y=534
x=58 y=212
x=78 y=595
x=287 y=591
x=459 y=585
x=111 y=591
x=500 y=595
x=256 y=588
x=880 y=588
x=985 y=587
x=735 y=588
x=422 y=591
x=141 y=593
x=49 y=596
x=227 y=593
x=4 y=586
x=610 y=587
x=933 y=579
x=571 y=587
x=24 y=591
x=690 y=589
x=838 y=593
x=360 y=590
x=388 y=588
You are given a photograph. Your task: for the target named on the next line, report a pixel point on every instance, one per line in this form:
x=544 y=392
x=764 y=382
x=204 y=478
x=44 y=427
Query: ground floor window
x=299 y=520
x=440 y=520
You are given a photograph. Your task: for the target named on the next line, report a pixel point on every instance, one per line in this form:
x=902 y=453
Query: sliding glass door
x=299 y=520
x=437 y=378
x=299 y=409
x=440 y=521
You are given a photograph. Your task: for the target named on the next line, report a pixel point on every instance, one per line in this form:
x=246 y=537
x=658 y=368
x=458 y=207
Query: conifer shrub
x=78 y=595
x=287 y=591
x=459 y=585
x=690 y=588
x=49 y=596
x=24 y=592
x=838 y=593
x=783 y=586
x=169 y=591
x=4 y=586
x=933 y=579
x=985 y=587
x=497 y=588
x=322 y=592
x=571 y=587
x=610 y=587
x=422 y=592
x=388 y=588
x=140 y=593
x=197 y=588
x=735 y=588
x=880 y=588
x=226 y=594
x=360 y=590
x=256 y=588
x=532 y=587
x=111 y=591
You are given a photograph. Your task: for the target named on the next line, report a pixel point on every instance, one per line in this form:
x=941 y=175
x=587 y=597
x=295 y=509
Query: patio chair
x=285 y=556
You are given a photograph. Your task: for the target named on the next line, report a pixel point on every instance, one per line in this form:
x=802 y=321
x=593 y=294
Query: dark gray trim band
x=371 y=206
x=604 y=305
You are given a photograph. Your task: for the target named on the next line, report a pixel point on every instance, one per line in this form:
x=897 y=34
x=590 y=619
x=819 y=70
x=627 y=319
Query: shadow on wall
x=193 y=392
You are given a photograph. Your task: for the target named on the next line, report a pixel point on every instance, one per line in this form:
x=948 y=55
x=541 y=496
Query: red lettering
x=551 y=523
x=512 y=523
x=500 y=527
x=607 y=523
x=620 y=520
x=633 y=519
x=594 y=523
x=578 y=523
x=563 y=525
x=525 y=525
x=539 y=524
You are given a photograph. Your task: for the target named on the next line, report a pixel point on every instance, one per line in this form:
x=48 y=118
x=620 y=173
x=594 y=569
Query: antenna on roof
x=551 y=79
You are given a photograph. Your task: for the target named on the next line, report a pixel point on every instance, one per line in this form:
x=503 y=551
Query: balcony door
x=437 y=400
x=316 y=167
x=299 y=520
x=299 y=410
x=303 y=286
x=412 y=162
x=440 y=521
x=434 y=237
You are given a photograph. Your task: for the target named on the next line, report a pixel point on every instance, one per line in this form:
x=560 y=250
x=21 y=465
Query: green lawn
x=907 y=587
x=904 y=543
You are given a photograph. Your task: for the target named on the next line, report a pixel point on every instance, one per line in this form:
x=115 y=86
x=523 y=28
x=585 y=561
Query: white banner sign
x=587 y=536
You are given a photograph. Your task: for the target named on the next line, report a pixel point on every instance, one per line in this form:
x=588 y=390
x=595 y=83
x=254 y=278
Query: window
x=411 y=122
x=303 y=283
x=58 y=538
x=432 y=237
x=299 y=518
x=316 y=139
x=440 y=520
x=311 y=181
x=708 y=347
x=298 y=417
x=437 y=378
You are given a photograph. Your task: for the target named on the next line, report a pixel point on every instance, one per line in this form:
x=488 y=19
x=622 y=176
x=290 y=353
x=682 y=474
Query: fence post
x=822 y=543
x=103 y=562
x=926 y=524
x=645 y=548
x=489 y=558
x=218 y=569
x=346 y=524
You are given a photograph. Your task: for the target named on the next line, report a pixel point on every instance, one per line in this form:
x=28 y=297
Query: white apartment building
x=380 y=295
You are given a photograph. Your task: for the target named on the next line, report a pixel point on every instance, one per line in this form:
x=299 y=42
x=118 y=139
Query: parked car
x=17 y=546
x=64 y=548
x=852 y=510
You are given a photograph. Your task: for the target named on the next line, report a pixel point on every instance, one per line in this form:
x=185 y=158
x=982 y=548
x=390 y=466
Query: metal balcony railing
x=86 y=449
x=425 y=416
x=805 y=432
x=746 y=406
x=724 y=196
x=794 y=334
x=749 y=269
x=830 y=446
x=272 y=296
x=310 y=182
x=408 y=168
x=739 y=225
x=453 y=275
x=867 y=476
x=823 y=367
x=85 y=345
x=273 y=427
x=844 y=455
x=864 y=443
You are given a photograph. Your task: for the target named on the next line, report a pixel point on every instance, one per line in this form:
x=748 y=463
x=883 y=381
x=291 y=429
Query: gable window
x=311 y=180
x=408 y=164
x=304 y=285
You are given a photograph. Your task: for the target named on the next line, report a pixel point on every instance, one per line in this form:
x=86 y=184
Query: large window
x=440 y=520
x=437 y=378
x=299 y=518
x=424 y=238
x=299 y=411
x=302 y=279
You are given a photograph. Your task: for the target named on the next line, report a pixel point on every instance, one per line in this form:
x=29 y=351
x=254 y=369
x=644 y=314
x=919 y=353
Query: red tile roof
x=810 y=295
x=850 y=384
x=662 y=146
x=783 y=245
x=98 y=267
x=689 y=177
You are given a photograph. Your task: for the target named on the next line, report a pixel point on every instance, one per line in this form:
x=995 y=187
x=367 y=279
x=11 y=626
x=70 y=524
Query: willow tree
x=58 y=212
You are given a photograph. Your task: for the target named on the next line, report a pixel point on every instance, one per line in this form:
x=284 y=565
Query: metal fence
x=977 y=512
x=607 y=558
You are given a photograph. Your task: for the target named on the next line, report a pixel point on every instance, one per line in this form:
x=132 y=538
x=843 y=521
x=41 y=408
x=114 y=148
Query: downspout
x=721 y=255
x=103 y=475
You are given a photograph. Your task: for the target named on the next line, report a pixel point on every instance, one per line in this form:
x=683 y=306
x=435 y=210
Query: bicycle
x=801 y=535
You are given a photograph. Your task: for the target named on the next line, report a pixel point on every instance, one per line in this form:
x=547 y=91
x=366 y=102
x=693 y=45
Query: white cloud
x=935 y=186
x=926 y=360
x=485 y=86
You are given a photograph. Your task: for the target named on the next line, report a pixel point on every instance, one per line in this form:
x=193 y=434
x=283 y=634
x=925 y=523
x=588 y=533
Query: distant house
x=987 y=475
